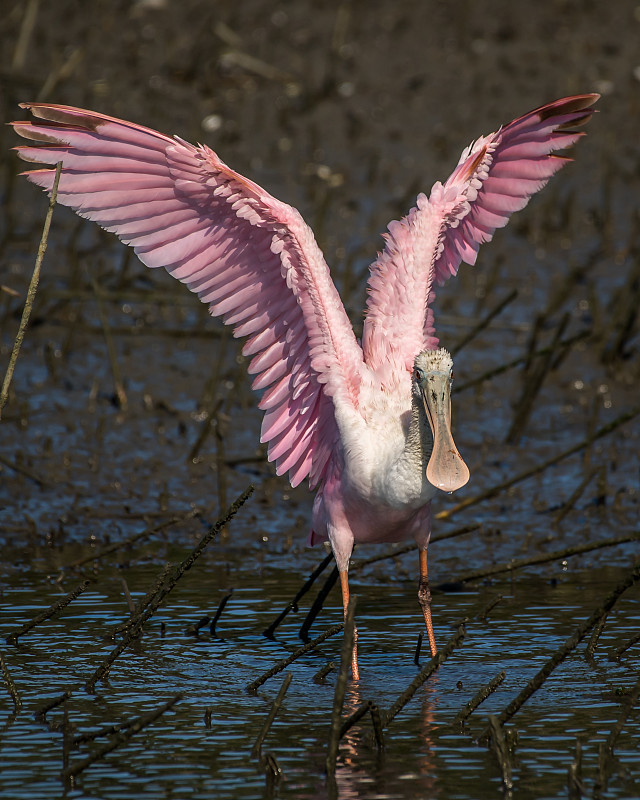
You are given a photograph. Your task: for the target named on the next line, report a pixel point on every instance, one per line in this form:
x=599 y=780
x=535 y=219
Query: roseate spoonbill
x=369 y=424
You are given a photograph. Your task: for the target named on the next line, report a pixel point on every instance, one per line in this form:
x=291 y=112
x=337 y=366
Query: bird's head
x=432 y=376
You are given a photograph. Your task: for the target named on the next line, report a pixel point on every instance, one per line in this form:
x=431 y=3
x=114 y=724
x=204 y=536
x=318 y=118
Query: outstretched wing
x=250 y=257
x=496 y=175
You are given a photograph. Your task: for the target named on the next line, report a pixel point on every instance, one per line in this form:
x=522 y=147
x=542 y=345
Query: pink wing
x=250 y=257
x=495 y=176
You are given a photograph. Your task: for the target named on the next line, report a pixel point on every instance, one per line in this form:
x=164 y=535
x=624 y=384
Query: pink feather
x=256 y=264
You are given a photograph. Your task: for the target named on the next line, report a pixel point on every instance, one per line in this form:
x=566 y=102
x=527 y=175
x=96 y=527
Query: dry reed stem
x=62 y=73
x=118 y=384
x=484 y=322
x=150 y=531
x=31 y=292
x=495 y=371
x=575 y=496
x=543 y=559
x=532 y=383
x=24 y=37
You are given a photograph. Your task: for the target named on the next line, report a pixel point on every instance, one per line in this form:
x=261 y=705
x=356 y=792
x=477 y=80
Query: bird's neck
x=404 y=483
x=419 y=441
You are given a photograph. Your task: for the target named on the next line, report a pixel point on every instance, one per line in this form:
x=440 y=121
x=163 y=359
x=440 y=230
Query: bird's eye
x=420 y=376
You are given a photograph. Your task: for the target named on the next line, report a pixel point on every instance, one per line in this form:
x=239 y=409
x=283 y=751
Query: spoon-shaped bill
x=446 y=469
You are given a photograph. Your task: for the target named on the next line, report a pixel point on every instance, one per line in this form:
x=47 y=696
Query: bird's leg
x=424 y=598
x=344 y=584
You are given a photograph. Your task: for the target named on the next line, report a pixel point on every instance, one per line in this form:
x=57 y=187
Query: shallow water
x=182 y=755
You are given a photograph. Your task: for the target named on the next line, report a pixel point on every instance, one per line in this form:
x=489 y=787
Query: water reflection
x=363 y=768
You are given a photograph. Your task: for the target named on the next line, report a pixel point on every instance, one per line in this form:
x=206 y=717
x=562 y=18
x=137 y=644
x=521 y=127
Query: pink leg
x=424 y=598
x=344 y=584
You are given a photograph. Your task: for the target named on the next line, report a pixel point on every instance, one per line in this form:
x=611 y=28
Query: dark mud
x=345 y=110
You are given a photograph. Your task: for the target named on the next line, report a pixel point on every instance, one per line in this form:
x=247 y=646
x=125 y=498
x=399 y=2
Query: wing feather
x=496 y=175
x=250 y=257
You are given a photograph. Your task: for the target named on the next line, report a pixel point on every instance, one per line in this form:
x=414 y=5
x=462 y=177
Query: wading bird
x=369 y=424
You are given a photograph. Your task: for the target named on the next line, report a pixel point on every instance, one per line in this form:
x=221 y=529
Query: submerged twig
x=275 y=707
x=607 y=748
x=482 y=615
x=149 y=531
x=23 y=471
x=575 y=496
x=441 y=656
x=293 y=604
x=353 y=719
x=615 y=654
x=255 y=685
x=322 y=673
x=12 y=638
x=574 y=777
x=590 y=650
x=501 y=752
x=486 y=691
x=411 y=548
x=135 y=624
x=42 y=712
x=121 y=738
x=317 y=604
x=31 y=292
x=11 y=687
x=144 y=601
x=378 y=732
x=416 y=655
x=563 y=651
x=219 y=610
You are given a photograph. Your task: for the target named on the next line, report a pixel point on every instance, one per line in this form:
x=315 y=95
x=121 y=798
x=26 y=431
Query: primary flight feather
x=370 y=425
